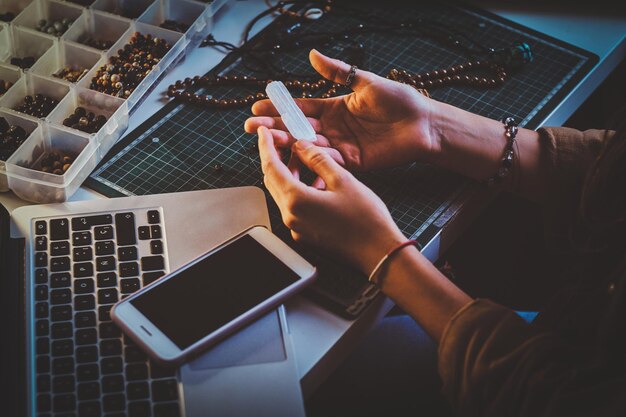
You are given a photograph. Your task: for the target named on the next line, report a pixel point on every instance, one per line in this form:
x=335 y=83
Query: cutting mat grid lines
x=186 y=147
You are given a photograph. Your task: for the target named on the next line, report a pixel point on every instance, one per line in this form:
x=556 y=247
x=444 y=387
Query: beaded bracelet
x=387 y=256
x=510 y=131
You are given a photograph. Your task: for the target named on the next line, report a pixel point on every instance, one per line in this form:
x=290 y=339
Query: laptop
x=65 y=265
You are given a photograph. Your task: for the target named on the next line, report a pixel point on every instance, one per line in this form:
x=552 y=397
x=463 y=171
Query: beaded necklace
x=489 y=72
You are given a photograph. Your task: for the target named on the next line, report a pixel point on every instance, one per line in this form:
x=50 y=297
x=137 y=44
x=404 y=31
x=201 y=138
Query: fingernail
x=303 y=144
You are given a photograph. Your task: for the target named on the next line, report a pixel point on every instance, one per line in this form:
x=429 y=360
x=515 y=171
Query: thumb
x=320 y=162
x=337 y=71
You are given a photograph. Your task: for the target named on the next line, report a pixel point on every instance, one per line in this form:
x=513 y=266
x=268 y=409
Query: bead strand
x=428 y=80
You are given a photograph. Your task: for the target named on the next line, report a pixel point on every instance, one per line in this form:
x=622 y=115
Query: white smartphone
x=214 y=295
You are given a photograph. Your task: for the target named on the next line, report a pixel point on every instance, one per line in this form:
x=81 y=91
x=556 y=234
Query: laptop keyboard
x=83 y=364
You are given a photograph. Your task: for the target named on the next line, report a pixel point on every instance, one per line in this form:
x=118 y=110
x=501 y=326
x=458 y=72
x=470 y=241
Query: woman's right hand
x=381 y=124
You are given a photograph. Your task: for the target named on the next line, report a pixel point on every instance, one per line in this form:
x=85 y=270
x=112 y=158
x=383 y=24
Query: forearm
x=417 y=287
x=474 y=145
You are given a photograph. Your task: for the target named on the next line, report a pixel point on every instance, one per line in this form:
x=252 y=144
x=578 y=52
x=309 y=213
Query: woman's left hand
x=338 y=213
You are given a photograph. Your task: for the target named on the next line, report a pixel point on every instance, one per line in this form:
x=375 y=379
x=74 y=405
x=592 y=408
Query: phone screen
x=213 y=291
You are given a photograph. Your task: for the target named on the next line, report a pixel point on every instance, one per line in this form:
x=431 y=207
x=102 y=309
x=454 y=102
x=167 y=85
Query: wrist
x=436 y=122
x=375 y=251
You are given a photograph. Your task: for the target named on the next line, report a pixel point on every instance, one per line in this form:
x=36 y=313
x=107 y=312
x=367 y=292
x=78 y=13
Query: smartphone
x=204 y=301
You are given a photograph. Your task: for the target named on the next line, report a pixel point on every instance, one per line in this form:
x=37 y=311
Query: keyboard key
x=63 y=366
x=85 y=319
x=86 y=337
x=107 y=296
x=42 y=328
x=144 y=233
x=60 y=248
x=41 y=310
x=112 y=383
x=129 y=269
x=62 y=347
x=65 y=402
x=42 y=346
x=89 y=409
x=114 y=402
x=103 y=233
x=41 y=276
x=83 y=269
x=127 y=340
x=63 y=384
x=41 y=259
x=89 y=372
x=62 y=296
x=152 y=263
x=86 y=354
x=107 y=279
x=41 y=227
x=150 y=277
x=156 y=247
x=111 y=365
x=110 y=347
x=60 y=264
x=105 y=263
x=44 y=402
x=134 y=354
x=137 y=390
x=43 y=383
x=158 y=371
x=88 y=390
x=62 y=330
x=166 y=410
x=136 y=371
x=125 y=229
x=127 y=253
x=41 y=293
x=139 y=408
x=84 y=302
x=155 y=231
x=154 y=216
x=41 y=243
x=42 y=364
x=81 y=238
x=104 y=312
x=86 y=222
x=60 y=280
x=109 y=330
x=84 y=286
x=59 y=229
x=129 y=285
x=61 y=313
x=82 y=254
x=106 y=247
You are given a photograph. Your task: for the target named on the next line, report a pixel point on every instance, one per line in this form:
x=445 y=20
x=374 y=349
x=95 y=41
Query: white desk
x=322 y=339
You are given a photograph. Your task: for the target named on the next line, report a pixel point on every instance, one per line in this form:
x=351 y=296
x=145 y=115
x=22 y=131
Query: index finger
x=278 y=176
x=311 y=107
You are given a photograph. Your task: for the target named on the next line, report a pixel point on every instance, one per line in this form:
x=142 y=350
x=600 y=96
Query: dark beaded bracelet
x=510 y=131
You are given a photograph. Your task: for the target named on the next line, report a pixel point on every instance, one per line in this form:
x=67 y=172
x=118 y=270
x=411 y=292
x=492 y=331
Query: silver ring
x=351 y=75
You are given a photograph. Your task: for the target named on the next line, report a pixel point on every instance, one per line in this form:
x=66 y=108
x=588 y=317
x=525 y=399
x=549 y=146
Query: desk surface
x=322 y=339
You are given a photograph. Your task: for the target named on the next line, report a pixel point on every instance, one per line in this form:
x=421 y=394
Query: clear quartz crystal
x=292 y=116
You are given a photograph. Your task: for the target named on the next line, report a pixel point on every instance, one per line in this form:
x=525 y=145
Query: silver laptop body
x=253 y=373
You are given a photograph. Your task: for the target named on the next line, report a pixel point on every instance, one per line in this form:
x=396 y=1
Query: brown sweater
x=495 y=364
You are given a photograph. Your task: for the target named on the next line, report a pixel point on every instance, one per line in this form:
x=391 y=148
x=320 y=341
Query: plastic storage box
x=113 y=21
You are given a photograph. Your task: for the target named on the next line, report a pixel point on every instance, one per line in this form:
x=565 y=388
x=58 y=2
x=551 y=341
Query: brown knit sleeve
x=493 y=363
x=567 y=154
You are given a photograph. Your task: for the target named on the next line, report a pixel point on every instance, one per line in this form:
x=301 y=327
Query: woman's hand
x=381 y=124
x=346 y=218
